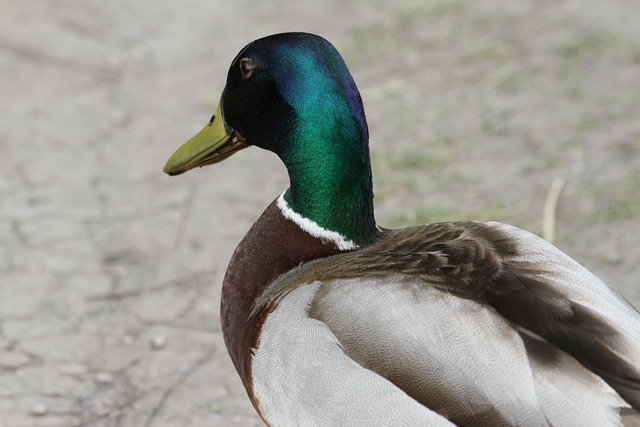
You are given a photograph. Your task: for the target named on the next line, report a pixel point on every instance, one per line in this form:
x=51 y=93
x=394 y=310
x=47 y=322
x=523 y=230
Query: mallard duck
x=332 y=320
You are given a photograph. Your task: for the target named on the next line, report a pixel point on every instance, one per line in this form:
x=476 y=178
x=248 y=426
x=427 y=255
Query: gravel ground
x=110 y=271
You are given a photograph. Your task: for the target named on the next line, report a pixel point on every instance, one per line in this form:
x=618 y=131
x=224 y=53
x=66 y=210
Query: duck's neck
x=346 y=210
x=331 y=182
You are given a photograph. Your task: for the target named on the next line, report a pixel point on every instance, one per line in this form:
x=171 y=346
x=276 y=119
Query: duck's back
x=477 y=323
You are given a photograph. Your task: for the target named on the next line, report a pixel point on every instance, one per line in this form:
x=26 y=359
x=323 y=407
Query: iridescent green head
x=292 y=94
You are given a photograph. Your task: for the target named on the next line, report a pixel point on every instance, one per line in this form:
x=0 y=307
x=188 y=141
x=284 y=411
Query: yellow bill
x=214 y=143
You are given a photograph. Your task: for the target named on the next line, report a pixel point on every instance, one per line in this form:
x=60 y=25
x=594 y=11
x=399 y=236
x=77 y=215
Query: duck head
x=293 y=95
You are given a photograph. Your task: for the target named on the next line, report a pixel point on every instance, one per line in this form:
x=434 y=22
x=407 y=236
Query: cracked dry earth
x=110 y=271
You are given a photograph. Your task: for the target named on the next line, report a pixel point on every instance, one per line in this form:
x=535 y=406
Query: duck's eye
x=246 y=67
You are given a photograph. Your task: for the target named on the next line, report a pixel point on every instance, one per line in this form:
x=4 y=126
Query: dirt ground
x=110 y=271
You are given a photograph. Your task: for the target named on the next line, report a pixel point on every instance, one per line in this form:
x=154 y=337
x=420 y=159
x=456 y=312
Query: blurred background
x=110 y=271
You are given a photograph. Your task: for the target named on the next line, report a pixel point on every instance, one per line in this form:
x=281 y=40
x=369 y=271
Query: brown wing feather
x=575 y=318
